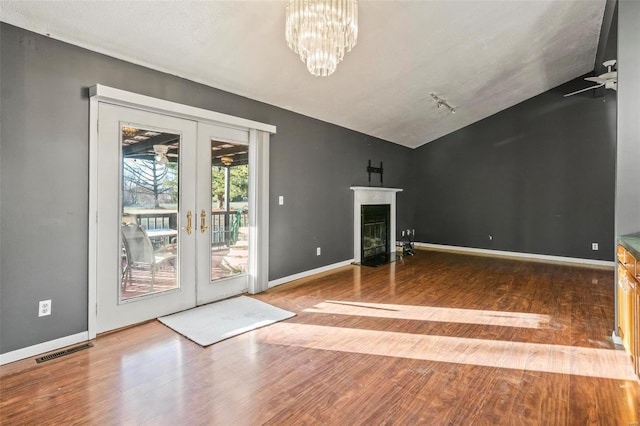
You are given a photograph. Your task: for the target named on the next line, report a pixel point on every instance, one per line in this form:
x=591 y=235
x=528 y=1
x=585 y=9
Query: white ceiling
x=481 y=56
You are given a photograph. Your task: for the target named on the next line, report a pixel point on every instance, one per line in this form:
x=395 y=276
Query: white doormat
x=218 y=321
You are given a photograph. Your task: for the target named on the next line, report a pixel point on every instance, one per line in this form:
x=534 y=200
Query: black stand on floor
x=407 y=244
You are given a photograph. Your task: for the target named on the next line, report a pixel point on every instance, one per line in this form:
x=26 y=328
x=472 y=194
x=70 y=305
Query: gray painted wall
x=44 y=178
x=538 y=177
x=628 y=172
x=314 y=174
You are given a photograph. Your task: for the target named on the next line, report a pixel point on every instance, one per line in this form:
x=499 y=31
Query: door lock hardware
x=203 y=218
x=189 y=228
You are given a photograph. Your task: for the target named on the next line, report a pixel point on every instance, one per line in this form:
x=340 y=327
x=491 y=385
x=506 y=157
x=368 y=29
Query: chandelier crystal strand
x=321 y=32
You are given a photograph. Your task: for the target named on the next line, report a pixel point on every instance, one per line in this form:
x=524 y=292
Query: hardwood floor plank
x=439 y=338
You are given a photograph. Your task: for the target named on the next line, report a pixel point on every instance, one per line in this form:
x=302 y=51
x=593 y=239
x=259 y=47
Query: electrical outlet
x=594 y=246
x=281 y=200
x=318 y=251
x=490 y=237
x=44 y=308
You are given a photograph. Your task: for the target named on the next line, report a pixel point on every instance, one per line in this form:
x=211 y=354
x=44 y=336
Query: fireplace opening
x=375 y=242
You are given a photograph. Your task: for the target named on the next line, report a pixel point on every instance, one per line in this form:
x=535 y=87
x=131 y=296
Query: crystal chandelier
x=321 y=31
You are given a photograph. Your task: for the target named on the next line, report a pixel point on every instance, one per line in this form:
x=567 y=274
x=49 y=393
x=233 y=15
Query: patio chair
x=140 y=254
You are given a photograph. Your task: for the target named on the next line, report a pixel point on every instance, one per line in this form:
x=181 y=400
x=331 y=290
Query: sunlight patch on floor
x=561 y=359
x=430 y=313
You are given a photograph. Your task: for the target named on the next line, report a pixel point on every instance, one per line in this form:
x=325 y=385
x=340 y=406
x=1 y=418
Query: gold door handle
x=189 y=228
x=203 y=218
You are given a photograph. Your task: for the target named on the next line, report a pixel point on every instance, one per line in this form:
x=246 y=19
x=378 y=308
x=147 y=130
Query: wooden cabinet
x=626 y=302
x=636 y=326
x=628 y=295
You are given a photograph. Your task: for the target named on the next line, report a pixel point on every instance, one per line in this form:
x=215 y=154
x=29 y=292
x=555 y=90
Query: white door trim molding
x=147 y=103
x=259 y=222
x=259 y=134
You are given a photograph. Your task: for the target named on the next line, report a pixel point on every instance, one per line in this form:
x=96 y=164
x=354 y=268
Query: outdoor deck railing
x=224 y=224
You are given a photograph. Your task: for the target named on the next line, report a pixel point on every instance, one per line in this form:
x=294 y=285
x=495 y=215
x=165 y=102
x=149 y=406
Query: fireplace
x=374 y=225
x=374 y=234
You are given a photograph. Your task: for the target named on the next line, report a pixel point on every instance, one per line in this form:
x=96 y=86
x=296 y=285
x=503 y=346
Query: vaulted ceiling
x=480 y=56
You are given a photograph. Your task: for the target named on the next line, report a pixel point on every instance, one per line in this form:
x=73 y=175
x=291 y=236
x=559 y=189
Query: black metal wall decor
x=378 y=170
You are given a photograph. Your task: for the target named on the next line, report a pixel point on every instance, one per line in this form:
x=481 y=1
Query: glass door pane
x=149 y=211
x=229 y=209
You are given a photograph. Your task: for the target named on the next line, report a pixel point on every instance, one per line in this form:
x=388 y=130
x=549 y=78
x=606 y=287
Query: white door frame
x=258 y=180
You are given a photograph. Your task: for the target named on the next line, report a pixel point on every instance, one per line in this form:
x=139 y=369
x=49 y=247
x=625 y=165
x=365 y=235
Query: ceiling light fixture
x=321 y=32
x=128 y=132
x=226 y=161
x=161 y=154
x=441 y=102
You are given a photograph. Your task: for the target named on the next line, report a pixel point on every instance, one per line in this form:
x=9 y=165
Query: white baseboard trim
x=309 y=273
x=41 y=348
x=529 y=256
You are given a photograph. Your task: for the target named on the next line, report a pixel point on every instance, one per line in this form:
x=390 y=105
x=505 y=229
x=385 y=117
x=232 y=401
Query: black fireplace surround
x=375 y=223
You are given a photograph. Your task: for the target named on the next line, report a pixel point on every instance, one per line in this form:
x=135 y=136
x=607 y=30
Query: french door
x=223 y=212
x=178 y=207
x=146 y=224
x=173 y=214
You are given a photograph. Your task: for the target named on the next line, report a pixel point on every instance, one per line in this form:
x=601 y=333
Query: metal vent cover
x=63 y=352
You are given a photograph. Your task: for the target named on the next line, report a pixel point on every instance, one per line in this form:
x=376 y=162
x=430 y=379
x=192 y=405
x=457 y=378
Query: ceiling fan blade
x=598 y=80
x=609 y=75
x=583 y=90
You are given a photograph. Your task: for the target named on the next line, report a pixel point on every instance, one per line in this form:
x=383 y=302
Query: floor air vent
x=64 y=352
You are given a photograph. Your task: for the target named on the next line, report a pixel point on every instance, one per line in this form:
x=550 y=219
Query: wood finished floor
x=436 y=339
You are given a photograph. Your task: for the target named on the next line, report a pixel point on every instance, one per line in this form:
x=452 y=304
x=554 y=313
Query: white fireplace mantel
x=364 y=195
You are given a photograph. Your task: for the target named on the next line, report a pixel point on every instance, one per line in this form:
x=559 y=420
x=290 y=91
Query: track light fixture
x=441 y=102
